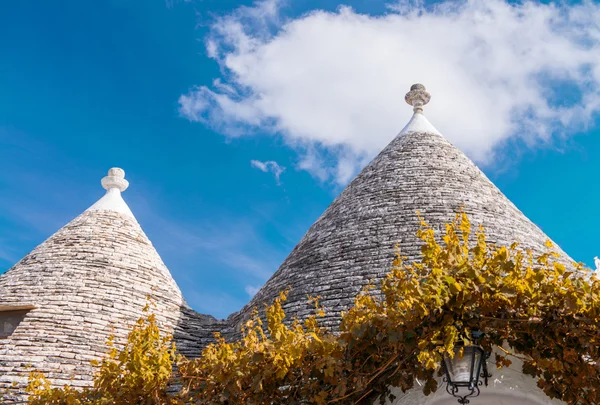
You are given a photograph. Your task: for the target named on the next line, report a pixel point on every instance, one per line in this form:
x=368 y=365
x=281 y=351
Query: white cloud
x=269 y=166
x=332 y=83
x=251 y=291
x=597 y=263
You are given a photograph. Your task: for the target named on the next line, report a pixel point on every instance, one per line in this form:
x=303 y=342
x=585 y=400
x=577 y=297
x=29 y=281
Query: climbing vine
x=530 y=306
x=138 y=373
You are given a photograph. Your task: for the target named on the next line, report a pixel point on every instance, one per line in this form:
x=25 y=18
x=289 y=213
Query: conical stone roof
x=93 y=275
x=96 y=273
x=353 y=242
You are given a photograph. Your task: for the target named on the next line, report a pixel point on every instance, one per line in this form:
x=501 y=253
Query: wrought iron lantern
x=464 y=370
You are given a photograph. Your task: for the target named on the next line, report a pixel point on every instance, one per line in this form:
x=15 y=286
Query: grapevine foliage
x=529 y=306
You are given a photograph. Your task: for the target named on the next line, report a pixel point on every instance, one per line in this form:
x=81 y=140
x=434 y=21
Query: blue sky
x=170 y=92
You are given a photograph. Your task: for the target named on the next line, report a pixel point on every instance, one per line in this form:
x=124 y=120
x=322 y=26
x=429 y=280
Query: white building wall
x=507 y=386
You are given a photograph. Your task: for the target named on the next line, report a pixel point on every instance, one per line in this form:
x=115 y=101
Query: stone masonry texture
x=353 y=242
x=92 y=278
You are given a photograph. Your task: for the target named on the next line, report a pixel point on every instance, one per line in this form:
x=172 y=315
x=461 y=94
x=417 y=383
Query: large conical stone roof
x=93 y=275
x=353 y=241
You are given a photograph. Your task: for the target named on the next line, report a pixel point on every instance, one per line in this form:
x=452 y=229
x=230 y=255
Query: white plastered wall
x=507 y=386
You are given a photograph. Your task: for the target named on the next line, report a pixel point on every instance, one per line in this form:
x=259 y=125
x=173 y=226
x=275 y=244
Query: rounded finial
x=115 y=179
x=417 y=97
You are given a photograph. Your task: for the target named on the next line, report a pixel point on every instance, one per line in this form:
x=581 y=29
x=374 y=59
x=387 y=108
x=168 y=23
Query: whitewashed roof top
x=91 y=278
x=114 y=184
x=99 y=269
x=353 y=242
x=418 y=97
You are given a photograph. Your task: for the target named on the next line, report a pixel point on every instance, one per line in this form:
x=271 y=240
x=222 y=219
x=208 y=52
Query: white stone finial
x=115 y=179
x=114 y=183
x=417 y=97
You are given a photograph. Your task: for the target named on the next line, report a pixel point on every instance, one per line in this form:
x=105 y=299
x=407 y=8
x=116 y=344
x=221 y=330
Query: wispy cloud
x=332 y=83
x=7 y=253
x=597 y=263
x=212 y=256
x=251 y=290
x=269 y=166
x=214 y=260
x=231 y=242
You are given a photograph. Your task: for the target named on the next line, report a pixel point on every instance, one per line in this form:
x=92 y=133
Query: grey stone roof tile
x=96 y=272
x=353 y=242
x=90 y=279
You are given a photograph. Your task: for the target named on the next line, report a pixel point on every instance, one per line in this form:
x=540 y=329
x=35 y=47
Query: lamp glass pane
x=477 y=363
x=463 y=369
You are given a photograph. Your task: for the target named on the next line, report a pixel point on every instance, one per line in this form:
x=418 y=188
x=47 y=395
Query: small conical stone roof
x=353 y=242
x=88 y=280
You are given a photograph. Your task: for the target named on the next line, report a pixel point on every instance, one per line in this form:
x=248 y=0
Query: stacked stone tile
x=354 y=241
x=97 y=272
x=90 y=279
